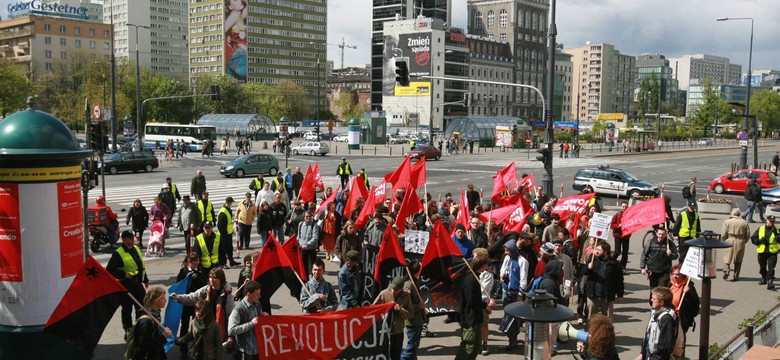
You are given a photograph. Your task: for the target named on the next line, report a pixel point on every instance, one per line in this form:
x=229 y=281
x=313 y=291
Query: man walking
x=198 y=184
x=127 y=265
x=686 y=227
x=257 y=184
x=735 y=231
x=754 y=200
x=621 y=242
x=656 y=259
x=297 y=181
x=225 y=228
x=189 y=221
x=767 y=246
x=309 y=240
x=775 y=162
x=344 y=171
x=605 y=282
x=208 y=248
x=246 y=216
x=278 y=217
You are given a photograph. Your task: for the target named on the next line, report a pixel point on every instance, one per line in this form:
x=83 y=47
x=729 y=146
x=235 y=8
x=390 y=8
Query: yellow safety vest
x=773 y=245
x=279 y=185
x=344 y=169
x=207 y=258
x=173 y=189
x=225 y=211
x=685 y=229
x=259 y=183
x=128 y=264
x=206 y=213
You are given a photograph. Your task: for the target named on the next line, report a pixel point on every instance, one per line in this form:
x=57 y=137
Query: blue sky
x=669 y=27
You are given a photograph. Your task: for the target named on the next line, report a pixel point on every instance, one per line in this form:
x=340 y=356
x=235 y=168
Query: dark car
x=250 y=164
x=427 y=151
x=130 y=161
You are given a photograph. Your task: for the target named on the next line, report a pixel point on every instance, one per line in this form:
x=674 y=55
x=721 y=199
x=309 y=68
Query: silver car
x=312 y=148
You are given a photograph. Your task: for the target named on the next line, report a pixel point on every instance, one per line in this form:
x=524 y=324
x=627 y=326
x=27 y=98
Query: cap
x=692 y=203
x=206 y=193
x=229 y=199
x=353 y=255
x=208 y=224
x=343 y=158
x=168 y=178
x=185 y=198
x=548 y=249
x=398 y=283
x=460 y=227
x=248 y=194
x=127 y=234
x=166 y=186
x=771 y=218
x=557 y=242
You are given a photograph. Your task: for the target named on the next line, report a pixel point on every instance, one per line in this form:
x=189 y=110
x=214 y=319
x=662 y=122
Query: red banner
x=71 y=227
x=645 y=214
x=348 y=334
x=576 y=204
x=10 y=234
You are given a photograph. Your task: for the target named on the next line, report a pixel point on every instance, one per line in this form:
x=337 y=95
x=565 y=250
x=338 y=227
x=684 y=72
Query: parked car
x=312 y=148
x=310 y=136
x=251 y=164
x=609 y=181
x=129 y=161
x=341 y=138
x=737 y=181
x=771 y=196
x=705 y=142
x=427 y=151
x=396 y=139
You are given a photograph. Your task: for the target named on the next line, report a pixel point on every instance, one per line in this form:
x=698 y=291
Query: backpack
x=131 y=343
x=686 y=191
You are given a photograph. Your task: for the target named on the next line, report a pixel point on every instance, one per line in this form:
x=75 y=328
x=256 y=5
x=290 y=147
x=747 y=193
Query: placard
x=415 y=241
x=599 y=225
x=693 y=259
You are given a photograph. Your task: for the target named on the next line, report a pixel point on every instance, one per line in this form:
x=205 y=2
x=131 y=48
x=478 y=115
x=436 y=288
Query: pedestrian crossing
x=557 y=162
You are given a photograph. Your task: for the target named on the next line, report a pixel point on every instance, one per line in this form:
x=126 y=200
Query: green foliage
x=765 y=105
x=169 y=110
x=756 y=320
x=563 y=136
x=712 y=107
x=715 y=351
x=349 y=106
x=16 y=87
x=599 y=128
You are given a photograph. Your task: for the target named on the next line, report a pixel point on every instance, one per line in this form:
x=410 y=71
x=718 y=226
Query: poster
x=236 y=39
x=10 y=234
x=71 y=227
x=415 y=241
x=599 y=226
x=693 y=258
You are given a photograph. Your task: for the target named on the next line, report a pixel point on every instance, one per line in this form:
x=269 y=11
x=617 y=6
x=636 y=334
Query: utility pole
x=549 y=135
x=113 y=83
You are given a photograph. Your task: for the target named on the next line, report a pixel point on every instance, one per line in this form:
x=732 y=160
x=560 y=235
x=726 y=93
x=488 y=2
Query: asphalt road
x=730 y=303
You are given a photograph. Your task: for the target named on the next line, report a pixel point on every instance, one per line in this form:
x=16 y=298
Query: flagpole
x=302 y=283
x=145 y=310
x=687 y=282
x=490 y=218
x=411 y=279
x=476 y=277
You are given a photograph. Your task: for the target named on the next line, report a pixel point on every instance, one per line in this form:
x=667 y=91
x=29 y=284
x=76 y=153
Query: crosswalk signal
x=545 y=155
x=402 y=71
x=514 y=131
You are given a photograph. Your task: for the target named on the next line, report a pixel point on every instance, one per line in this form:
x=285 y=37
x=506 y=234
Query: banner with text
x=645 y=214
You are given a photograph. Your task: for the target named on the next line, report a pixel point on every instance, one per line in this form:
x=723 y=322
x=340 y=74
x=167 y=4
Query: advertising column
x=41 y=226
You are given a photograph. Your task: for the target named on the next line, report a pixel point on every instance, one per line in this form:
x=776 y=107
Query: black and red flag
x=87 y=307
x=390 y=254
x=410 y=206
x=273 y=268
x=358 y=333
x=293 y=251
x=443 y=260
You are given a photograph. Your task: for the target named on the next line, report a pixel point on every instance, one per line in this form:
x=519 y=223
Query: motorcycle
x=98 y=228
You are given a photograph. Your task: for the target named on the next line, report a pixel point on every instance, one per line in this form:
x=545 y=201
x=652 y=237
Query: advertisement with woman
x=236 y=38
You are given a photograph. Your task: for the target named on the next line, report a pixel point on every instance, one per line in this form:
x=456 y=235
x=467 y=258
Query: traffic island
x=715 y=206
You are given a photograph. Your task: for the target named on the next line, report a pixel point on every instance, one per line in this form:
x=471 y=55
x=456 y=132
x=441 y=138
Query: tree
x=642 y=98
x=169 y=110
x=16 y=87
x=294 y=97
x=712 y=107
x=765 y=105
x=349 y=106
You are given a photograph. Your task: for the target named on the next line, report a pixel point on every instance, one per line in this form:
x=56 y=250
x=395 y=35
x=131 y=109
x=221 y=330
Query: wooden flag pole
x=302 y=283
x=145 y=310
x=411 y=279
x=683 y=294
x=477 y=277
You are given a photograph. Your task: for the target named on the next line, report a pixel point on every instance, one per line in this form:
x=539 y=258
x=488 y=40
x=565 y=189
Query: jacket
x=313 y=304
x=189 y=215
x=551 y=280
x=139 y=216
x=654 y=258
x=347 y=242
x=148 y=337
x=470 y=305
x=402 y=314
x=265 y=222
x=240 y=326
x=608 y=274
x=766 y=240
x=309 y=235
x=198 y=186
x=205 y=338
x=753 y=192
x=297 y=180
x=735 y=228
x=375 y=232
x=246 y=213
x=278 y=213
x=350 y=287
x=465 y=245
x=660 y=335
x=418 y=317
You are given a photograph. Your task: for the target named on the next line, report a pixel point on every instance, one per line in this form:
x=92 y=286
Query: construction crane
x=341 y=46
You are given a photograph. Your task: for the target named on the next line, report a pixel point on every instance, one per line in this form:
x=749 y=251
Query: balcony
x=14 y=34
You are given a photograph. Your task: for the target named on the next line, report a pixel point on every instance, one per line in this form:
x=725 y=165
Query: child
x=198 y=279
x=204 y=334
x=246 y=273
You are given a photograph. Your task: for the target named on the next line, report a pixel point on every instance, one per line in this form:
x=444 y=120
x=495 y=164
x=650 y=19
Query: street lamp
x=743 y=154
x=317 y=108
x=139 y=121
x=549 y=134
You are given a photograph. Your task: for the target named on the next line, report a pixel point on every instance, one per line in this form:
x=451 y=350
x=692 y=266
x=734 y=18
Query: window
x=63 y=41
x=47 y=40
x=91 y=44
x=46 y=27
x=49 y=66
x=63 y=55
x=48 y=54
x=63 y=29
x=491 y=19
x=478 y=20
x=78 y=43
x=503 y=18
x=106 y=46
x=105 y=33
x=91 y=32
x=77 y=30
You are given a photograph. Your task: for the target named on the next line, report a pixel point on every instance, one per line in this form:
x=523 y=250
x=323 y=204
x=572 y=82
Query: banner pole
x=477 y=277
x=145 y=310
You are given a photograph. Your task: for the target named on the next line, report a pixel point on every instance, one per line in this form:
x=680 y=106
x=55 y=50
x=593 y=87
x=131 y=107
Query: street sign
x=743 y=143
x=96 y=112
x=107 y=114
x=528 y=141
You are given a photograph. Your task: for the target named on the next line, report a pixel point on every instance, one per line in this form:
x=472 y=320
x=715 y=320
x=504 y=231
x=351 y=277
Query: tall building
x=700 y=66
x=603 y=80
x=490 y=60
x=270 y=42
x=522 y=23
x=654 y=68
x=562 y=89
x=392 y=10
x=160 y=36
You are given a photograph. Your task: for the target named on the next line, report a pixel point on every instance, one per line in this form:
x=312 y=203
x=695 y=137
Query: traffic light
x=402 y=71
x=467 y=99
x=96 y=137
x=514 y=131
x=545 y=155
x=215 y=92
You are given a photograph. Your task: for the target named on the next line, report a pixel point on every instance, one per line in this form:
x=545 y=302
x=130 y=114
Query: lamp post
x=549 y=134
x=539 y=310
x=707 y=270
x=658 y=135
x=139 y=120
x=743 y=154
x=317 y=108
x=113 y=82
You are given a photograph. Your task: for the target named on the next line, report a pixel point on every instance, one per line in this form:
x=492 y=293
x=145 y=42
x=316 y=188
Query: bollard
x=391 y=151
x=361 y=151
x=374 y=150
x=265 y=145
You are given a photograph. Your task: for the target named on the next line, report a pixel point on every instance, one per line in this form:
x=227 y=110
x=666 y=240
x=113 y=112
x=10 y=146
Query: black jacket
x=470 y=304
x=473 y=198
x=611 y=278
x=551 y=280
x=654 y=258
x=149 y=340
x=265 y=222
x=278 y=213
x=689 y=308
x=139 y=218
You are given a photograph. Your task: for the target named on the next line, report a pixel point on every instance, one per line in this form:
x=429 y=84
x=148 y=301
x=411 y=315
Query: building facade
x=490 y=60
x=523 y=24
x=603 y=80
x=394 y=10
x=562 y=88
x=268 y=42
x=655 y=69
x=688 y=68
x=353 y=82
x=40 y=41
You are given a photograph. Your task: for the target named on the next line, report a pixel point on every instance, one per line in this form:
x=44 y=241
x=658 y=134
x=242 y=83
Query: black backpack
x=686 y=191
x=131 y=343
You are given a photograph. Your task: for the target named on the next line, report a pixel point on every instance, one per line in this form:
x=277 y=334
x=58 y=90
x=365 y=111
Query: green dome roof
x=36 y=132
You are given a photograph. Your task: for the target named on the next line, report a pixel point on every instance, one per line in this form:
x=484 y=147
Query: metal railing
x=766 y=333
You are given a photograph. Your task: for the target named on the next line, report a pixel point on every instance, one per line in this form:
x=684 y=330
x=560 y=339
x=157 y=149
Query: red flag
x=87 y=307
x=361 y=187
x=368 y=209
x=273 y=268
x=508 y=199
x=293 y=252
x=518 y=228
x=576 y=204
x=419 y=176
x=463 y=213
x=402 y=176
x=500 y=214
x=638 y=217
x=528 y=183
x=442 y=260
x=379 y=193
x=318 y=177
x=307 y=193
x=517 y=218
x=410 y=206
x=354 y=195
x=504 y=178
x=390 y=255
x=327 y=201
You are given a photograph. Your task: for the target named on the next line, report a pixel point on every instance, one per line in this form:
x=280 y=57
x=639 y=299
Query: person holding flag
x=471 y=308
x=403 y=311
x=318 y=295
x=243 y=320
x=127 y=265
x=218 y=293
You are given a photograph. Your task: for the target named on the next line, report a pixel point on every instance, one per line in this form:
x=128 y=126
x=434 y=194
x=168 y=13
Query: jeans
x=512 y=330
x=469 y=342
x=766 y=265
x=244 y=234
x=752 y=206
x=413 y=335
x=278 y=232
x=263 y=238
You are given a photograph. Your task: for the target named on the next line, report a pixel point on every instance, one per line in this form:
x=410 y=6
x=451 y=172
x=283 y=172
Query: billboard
x=417 y=47
x=415 y=88
x=236 y=39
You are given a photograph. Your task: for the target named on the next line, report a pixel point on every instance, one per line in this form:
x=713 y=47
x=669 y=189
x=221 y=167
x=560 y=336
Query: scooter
x=98 y=234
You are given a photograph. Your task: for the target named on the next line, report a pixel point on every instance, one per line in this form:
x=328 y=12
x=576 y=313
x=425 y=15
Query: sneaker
x=226 y=267
x=580 y=321
x=485 y=350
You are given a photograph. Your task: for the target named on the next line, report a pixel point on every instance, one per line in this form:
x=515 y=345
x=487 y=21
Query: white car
x=341 y=138
x=396 y=139
x=310 y=136
x=312 y=148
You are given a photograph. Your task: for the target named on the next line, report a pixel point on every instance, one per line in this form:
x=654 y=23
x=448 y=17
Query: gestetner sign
x=38 y=7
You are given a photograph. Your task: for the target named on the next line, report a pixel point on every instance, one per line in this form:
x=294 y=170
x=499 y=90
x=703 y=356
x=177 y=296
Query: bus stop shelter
x=482 y=129
x=258 y=125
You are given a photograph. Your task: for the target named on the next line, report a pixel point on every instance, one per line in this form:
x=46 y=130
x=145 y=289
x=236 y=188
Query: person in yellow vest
x=686 y=227
x=225 y=228
x=208 y=248
x=257 y=184
x=174 y=189
x=363 y=177
x=127 y=265
x=766 y=240
x=344 y=171
x=206 y=208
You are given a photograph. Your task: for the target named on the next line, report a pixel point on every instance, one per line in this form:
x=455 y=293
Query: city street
x=730 y=306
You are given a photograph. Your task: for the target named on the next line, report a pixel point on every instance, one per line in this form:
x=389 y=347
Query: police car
x=609 y=181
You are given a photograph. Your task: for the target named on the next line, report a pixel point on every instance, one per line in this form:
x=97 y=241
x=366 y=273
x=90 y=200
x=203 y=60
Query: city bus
x=157 y=134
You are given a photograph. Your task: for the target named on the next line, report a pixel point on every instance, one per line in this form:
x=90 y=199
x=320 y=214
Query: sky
x=669 y=27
